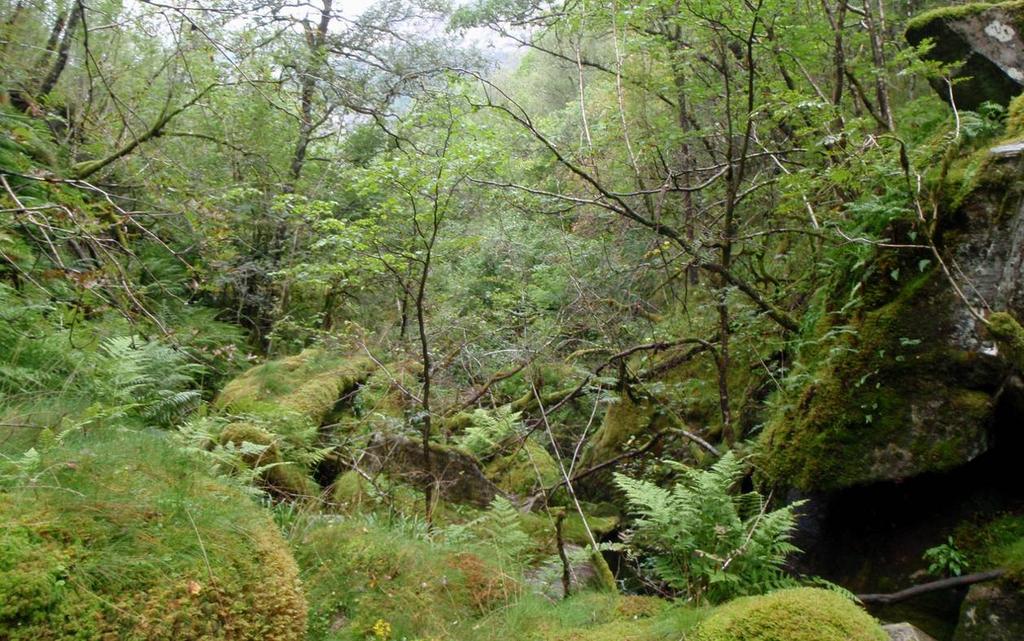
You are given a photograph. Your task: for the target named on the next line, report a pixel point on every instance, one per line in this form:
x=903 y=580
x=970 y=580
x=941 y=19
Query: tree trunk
x=50 y=81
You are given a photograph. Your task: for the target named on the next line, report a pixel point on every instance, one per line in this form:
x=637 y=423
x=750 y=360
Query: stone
x=1010 y=150
x=905 y=632
x=455 y=473
x=991 y=612
x=984 y=43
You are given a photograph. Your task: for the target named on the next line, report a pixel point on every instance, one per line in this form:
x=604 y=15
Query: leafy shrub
x=945 y=559
x=705 y=540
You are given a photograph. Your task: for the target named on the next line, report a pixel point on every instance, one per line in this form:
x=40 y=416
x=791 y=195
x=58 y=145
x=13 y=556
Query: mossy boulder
x=454 y=472
x=797 y=614
x=908 y=382
x=281 y=406
x=894 y=400
x=524 y=471
x=991 y=612
x=983 y=42
x=124 y=538
x=257 y=448
x=310 y=384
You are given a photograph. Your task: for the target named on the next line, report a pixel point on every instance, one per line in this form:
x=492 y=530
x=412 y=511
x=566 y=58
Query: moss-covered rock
x=257 y=448
x=983 y=42
x=798 y=614
x=991 y=612
x=127 y=539
x=1010 y=336
x=454 y=472
x=309 y=384
x=894 y=400
x=526 y=470
x=906 y=377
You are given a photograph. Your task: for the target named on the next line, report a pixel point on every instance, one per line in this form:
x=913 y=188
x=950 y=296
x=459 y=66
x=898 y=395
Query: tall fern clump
x=706 y=541
x=145 y=380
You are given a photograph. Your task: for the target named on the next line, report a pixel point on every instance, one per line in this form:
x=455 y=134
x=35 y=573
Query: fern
x=499 y=531
x=705 y=540
x=488 y=430
x=146 y=380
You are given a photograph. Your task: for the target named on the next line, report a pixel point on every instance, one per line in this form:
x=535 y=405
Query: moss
x=525 y=471
x=605 y=578
x=351 y=492
x=282 y=477
x=924 y=20
x=1010 y=336
x=310 y=383
x=541 y=528
x=1015 y=118
x=998 y=543
x=639 y=607
x=886 y=403
x=240 y=433
x=623 y=420
x=798 y=614
x=128 y=540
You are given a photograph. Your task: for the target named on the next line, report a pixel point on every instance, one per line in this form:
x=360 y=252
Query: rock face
x=991 y=613
x=913 y=383
x=455 y=473
x=984 y=41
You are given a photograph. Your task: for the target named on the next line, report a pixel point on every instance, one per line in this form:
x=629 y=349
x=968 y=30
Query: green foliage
x=945 y=559
x=488 y=429
x=498 y=533
x=145 y=380
x=706 y=540
x=798 y=614
x=995 y=543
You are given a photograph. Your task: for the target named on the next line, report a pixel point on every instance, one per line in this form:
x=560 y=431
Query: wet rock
x=984 y=42
x=991 y=612
x=905 y=632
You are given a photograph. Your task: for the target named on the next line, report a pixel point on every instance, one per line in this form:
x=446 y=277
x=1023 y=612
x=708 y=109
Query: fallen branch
x=931 y=586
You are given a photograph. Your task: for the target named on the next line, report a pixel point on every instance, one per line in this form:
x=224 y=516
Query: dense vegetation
x=330 y=321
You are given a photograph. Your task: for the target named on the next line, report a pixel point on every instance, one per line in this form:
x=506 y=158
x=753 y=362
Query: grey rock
x=986 y=42
x=905 y=632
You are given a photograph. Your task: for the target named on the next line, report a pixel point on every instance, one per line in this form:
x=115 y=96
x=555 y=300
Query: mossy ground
x=120 y=535
x=362 y=571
